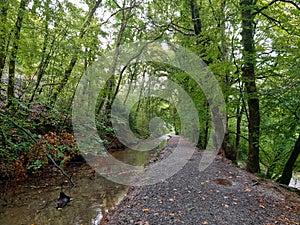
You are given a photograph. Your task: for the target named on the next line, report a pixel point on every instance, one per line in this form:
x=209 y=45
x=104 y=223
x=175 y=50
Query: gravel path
x=222 y=194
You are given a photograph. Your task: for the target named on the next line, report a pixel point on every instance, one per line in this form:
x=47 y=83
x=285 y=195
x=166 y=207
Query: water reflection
x=92 y=198
x=295 y=182
x=98 y=209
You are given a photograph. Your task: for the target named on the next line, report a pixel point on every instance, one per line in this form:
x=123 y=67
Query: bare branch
x=274 y=1
x=291 y=2
x=179 y=29
x=265 y=7
x=115 y=13
x=232 y=132
x=117 y=4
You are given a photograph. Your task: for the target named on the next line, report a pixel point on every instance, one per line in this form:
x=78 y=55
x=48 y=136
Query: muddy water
x=35 y=201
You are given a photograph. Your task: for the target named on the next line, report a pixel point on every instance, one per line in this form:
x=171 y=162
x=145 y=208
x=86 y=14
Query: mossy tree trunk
x=3 y=35
x=248 y=74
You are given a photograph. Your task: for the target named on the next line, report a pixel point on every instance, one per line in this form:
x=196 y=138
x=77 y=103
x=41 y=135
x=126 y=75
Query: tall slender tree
x=74 y=59
x=3 y=34
x=14 y=50
x=248 y=73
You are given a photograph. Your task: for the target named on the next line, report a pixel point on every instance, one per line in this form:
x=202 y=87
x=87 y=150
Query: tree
x=14 y=50
x=74 y=59
x=288 y=168
x=46 y=49
x=276 y=40
x=112 y=88
x=248 y=74
x=3 y=34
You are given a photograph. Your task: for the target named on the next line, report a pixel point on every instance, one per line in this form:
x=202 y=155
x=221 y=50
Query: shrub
x=61 y=147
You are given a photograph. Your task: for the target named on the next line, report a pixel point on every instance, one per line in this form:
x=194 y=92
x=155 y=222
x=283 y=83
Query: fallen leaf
x=223 y=182
x=248 y=190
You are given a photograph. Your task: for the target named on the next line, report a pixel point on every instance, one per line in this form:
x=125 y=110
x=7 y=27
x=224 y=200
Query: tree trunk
x=229 y=150
x=196 y=17
x=206 y=128
x=197 y=23
x=14 y=51
x=45 y=59
x=288 y=168
x=3 y=35
x=239 y=113
x=248 y=74
x=74 y=59
x=112 y=88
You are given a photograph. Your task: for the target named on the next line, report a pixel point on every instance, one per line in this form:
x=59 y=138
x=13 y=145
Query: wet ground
x=95 y=198
x=35 y=201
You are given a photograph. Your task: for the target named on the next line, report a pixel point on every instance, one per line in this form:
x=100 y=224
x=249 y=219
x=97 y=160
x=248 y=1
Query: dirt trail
x=222 y=194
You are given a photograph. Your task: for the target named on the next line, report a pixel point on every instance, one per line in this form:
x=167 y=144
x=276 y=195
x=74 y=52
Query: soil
x=221 y=194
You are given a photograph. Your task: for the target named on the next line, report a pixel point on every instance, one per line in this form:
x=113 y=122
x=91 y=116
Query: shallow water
x=295 y=182
x=92 y=198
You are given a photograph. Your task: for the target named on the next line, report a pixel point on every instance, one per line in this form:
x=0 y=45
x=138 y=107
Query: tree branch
x=273 y=2
x=178 y=29
x=265 y=7
x=115 y=13
x=232 y=132
x=277 y=23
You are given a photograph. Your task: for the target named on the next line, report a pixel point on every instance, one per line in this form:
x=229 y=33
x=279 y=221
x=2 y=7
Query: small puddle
x=92 y=198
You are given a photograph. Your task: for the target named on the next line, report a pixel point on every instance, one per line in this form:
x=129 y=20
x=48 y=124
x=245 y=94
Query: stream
x=34 y=202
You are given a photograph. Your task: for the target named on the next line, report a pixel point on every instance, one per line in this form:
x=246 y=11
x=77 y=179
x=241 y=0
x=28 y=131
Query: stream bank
x=35 y=201
x=222 y=194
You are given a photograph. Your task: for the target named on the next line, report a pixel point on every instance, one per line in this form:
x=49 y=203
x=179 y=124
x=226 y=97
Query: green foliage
x=19 y=154
x=153 y=107
x=56 y=32
x=61 y=147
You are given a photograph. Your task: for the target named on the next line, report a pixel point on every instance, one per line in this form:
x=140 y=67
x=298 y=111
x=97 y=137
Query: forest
x=250 y=46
